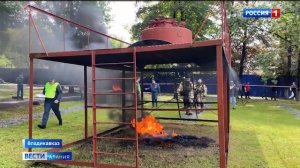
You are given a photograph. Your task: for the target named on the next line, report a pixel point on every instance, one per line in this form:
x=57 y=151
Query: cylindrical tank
x=168 y=30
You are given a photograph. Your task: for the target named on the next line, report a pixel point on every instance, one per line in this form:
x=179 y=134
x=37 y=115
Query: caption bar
x=42 y=143
x=47 y=155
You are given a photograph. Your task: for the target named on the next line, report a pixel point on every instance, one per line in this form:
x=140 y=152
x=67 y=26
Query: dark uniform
x=53 y=93
x=20 y=82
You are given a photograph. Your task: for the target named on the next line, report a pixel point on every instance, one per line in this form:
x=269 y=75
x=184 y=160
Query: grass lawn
x=262 y=135
x=9 y=90
x=21 y=110
x=7 y=93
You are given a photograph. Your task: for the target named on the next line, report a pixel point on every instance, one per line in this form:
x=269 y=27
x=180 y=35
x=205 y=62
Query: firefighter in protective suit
x=185 y=89
x=200 y=93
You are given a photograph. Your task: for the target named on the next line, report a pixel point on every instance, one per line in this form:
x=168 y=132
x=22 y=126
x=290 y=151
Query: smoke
x=59 y=37
x=233 y=76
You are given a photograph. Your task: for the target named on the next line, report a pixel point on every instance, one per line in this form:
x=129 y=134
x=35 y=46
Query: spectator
x=247 y=90
x=155 y=90
x=265 y=92
x=293 y=89
x=242 y=89
x=233 y=93
x=20 y=82
x=273 y=92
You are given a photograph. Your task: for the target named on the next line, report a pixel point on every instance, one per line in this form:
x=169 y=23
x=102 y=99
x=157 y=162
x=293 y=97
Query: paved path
x=21 y=119
x=290 y=109
x=12 y=103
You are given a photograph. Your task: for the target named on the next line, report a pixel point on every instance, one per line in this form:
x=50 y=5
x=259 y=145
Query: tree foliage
x=14 y=26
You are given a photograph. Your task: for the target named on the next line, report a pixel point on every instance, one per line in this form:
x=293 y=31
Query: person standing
x=265 y=94
x=53 y=95
x=185 y=89
x=293 y=89
x=200 y=94
x=20 y=83
x=138 y=90
x=247 y=90
x=155 y=90
x=242 y=90
x=233 y=93
x=273 y=92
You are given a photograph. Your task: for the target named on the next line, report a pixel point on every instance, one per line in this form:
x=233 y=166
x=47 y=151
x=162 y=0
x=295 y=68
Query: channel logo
x=47 y=155
x=42 y=143
x=261 y=13
x=34 y=155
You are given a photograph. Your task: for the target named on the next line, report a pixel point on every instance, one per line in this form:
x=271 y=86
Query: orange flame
x=116 y=88
x=150 y=126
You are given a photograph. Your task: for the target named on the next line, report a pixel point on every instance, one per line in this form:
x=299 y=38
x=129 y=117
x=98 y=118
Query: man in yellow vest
x=53 y=94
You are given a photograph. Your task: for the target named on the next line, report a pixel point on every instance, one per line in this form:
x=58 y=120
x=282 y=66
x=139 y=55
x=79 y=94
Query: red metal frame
x=222 y=76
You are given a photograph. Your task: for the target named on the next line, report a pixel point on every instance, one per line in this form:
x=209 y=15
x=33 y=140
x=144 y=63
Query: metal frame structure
x=222 y=51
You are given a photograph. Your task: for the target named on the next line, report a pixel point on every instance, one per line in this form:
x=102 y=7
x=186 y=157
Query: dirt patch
x=195 y=146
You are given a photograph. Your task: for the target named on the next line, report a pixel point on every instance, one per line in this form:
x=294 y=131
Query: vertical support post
x=142 y=94
x=30 y=81
x=221 y=108
x=29 y=29
x=85 y=103
x=30 y=109
x=123 y=96
x=135 y=111
x=88 y=31
x=64 y=38
x=94 y=109
x=226 y=105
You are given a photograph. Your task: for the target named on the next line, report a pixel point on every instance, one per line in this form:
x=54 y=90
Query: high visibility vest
x=50 y=89
x=138 y=87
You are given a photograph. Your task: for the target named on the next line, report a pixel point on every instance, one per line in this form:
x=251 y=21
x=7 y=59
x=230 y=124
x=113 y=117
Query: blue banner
x=47 y=156
x=42 y=143
x=59 y=155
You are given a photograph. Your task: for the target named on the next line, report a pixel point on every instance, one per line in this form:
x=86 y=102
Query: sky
x=123 y=17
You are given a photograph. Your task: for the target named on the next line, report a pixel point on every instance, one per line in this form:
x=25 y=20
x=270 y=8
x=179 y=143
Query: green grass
x=7 y=93
x=21 y=110
x=72 y=129
x=262 y=135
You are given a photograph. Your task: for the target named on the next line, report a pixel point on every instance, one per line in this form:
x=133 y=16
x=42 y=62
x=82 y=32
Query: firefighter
x=53 y=94
x=200 y=93
x=185 y=89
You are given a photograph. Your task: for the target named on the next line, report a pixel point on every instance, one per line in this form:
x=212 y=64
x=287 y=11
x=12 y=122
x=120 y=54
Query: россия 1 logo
x=261 y=13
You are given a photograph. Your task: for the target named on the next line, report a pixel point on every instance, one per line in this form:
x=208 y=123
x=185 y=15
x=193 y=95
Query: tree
x=246 y=34
x=287 y=30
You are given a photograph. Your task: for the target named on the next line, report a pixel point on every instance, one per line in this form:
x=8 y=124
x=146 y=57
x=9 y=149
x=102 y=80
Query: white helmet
x=200 y=80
